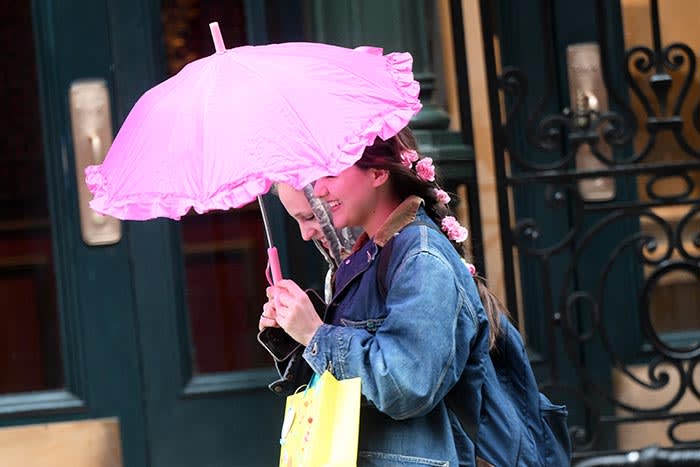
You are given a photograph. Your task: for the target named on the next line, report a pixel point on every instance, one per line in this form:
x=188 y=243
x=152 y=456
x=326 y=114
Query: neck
x=380 y=214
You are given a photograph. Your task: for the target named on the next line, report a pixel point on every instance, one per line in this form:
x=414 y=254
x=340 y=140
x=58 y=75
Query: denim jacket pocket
x=383 y=459
x=371 y=325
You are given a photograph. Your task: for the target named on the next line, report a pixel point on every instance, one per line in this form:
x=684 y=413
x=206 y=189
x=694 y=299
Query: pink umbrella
x=221 y=131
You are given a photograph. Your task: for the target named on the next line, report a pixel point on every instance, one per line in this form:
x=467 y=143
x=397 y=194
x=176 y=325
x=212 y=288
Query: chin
x=339 y=222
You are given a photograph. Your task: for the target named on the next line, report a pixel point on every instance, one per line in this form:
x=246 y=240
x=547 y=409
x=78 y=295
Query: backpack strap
x=383 y=266
x=385 y=257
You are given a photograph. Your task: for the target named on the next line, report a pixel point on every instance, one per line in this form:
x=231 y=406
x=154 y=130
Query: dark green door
x=199 y=283
x=68 y=324
x=156 y=328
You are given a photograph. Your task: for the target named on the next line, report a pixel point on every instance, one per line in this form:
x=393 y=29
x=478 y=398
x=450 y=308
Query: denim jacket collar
x=404 y=214
x=359 y=261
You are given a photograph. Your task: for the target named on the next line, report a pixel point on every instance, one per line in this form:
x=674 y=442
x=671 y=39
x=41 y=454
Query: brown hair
x=405 y=182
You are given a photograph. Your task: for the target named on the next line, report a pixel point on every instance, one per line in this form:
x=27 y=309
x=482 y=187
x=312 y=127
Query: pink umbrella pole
x=273 y=259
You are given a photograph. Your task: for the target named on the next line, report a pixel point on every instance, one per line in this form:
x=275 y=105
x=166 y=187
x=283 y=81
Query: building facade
x=569 y=130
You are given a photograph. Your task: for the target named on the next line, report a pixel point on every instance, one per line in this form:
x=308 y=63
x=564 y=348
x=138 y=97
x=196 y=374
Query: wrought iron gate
x=591 y=267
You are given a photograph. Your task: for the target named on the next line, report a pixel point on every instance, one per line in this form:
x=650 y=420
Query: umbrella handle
x=273 y=266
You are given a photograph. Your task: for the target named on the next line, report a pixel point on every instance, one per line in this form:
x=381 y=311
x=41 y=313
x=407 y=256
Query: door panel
x=205 y=375
x=72 y=304
x=30 y=356
x=155 y=332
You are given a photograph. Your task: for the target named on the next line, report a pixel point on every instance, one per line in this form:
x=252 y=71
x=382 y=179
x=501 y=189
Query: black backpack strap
x=385 y=257
x=383 y=266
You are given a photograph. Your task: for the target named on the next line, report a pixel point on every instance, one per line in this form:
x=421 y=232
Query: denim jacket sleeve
x=418 y=353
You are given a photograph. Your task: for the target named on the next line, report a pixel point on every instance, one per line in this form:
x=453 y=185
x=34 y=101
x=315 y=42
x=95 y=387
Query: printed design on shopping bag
x=297 y=426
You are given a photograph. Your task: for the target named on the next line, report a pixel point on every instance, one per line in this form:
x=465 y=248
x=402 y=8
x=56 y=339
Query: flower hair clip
x=408 y=157
x=454 y=229
x=470 y=267
x=425 y=169
x=442 y=196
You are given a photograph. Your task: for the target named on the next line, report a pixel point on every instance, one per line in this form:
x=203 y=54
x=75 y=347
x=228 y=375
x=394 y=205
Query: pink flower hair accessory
x=408 y=157
x=471 y=268
x=442 y=196
x=425 y=169
x=454 y=229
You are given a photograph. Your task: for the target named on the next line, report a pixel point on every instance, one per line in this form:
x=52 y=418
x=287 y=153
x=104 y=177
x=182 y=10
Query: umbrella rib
x=281 y=94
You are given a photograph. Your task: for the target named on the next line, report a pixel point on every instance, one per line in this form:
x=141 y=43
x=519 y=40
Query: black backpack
x=546 y=421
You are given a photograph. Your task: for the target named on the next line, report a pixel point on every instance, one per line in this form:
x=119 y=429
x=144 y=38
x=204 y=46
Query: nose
x=307 y=234
x=320 y=189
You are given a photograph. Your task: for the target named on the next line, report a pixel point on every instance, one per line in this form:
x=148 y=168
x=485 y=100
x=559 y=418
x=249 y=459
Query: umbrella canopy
x=221 y=131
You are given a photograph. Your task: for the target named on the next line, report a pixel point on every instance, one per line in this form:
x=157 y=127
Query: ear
x=379 y=177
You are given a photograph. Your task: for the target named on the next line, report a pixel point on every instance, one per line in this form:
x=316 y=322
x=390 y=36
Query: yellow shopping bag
x=321 y=424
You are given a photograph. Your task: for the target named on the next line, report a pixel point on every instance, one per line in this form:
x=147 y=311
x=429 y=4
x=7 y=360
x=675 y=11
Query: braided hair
x=396 y=155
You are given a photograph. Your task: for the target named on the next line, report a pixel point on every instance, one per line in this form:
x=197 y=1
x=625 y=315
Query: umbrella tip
x=216 y=37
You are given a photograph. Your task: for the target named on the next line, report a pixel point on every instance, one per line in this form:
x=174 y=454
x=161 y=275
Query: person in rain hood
x=315 y=224
x=445 y=376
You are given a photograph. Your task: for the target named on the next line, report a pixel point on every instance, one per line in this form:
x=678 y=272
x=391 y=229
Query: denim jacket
x=422 y=354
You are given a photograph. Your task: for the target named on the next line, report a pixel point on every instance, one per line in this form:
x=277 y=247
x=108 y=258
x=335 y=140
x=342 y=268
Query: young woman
x=431 y=394
x=314 y=222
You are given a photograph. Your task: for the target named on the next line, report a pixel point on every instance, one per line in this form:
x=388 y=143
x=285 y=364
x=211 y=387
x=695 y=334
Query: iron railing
x=535 y=158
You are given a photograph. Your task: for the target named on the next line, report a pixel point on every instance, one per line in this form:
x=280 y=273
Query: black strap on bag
x=468 y=425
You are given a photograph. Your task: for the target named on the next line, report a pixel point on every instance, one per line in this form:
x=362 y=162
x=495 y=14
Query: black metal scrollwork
x=661 y=80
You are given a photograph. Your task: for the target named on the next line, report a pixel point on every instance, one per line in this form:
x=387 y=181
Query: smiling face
x=296 y=204
x=357 y=197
